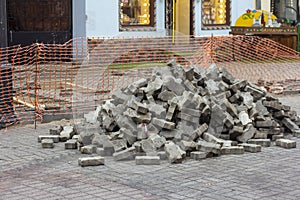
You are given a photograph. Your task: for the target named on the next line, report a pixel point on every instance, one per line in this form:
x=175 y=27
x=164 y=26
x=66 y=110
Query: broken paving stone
x=285 y=143
x=91 y=161
x=127 y=154
x=66 y=133
x=174 y=153
x=147 y=160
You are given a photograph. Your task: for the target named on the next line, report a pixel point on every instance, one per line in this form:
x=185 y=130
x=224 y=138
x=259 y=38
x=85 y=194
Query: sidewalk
x=29 y=172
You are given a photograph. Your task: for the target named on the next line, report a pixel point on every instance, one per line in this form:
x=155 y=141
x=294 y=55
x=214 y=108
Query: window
x=215 y=13
x=136 y=13
x=286 y=10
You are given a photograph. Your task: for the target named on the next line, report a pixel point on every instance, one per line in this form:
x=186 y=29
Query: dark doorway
x=3 y=24
x=31 y=21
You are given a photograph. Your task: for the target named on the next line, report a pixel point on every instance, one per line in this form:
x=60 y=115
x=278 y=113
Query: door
x=31 y=21
x=3 y=24
x=179 y=17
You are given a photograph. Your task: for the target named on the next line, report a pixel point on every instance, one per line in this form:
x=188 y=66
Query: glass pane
x=37 y=15
x=135 y=12
x=214 y=12
x=285 y=9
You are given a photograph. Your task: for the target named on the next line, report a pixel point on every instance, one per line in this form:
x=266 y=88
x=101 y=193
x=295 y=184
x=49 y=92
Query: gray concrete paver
x=29 y=172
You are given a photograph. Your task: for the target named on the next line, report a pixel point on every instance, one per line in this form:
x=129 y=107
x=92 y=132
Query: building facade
x=57 y=21
x=162 y=17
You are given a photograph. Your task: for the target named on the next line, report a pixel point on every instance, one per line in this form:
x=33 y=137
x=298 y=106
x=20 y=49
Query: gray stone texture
x=147 y=160
x=285 y=143
x=91 y=161
x=174 y=153
x=47 y=143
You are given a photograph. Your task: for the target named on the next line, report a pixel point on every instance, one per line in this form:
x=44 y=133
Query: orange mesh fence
x=49 y=81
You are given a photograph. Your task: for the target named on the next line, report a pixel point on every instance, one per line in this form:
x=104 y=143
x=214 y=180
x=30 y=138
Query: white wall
x=238 y=7
x=103 y=19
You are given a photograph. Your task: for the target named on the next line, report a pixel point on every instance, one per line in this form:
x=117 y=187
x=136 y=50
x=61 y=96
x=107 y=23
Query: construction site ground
x=27 y=171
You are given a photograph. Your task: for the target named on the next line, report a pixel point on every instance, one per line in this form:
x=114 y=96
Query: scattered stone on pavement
x=188 y=112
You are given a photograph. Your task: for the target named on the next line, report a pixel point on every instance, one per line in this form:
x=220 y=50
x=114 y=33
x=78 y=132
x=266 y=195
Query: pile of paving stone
x=180 y=112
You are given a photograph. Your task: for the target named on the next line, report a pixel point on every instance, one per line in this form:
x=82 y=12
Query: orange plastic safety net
x=45 y=82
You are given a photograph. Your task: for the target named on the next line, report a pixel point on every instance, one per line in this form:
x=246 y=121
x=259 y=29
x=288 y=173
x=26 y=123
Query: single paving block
x=55 y=130
x=232 y=150
x=253 y=148
x=285 y=143
x=71 y=144
x=199 y=155
x=47 y=143
x=88 y=149
x=261 y=142
x=55 y=138
x=91 y=161
x=147 y=160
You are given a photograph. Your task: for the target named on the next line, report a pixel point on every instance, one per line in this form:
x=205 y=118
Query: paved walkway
x=29 y=172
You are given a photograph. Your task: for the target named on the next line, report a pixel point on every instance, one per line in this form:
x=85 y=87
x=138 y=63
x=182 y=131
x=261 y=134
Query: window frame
x=226 y=25
x=152 y=11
